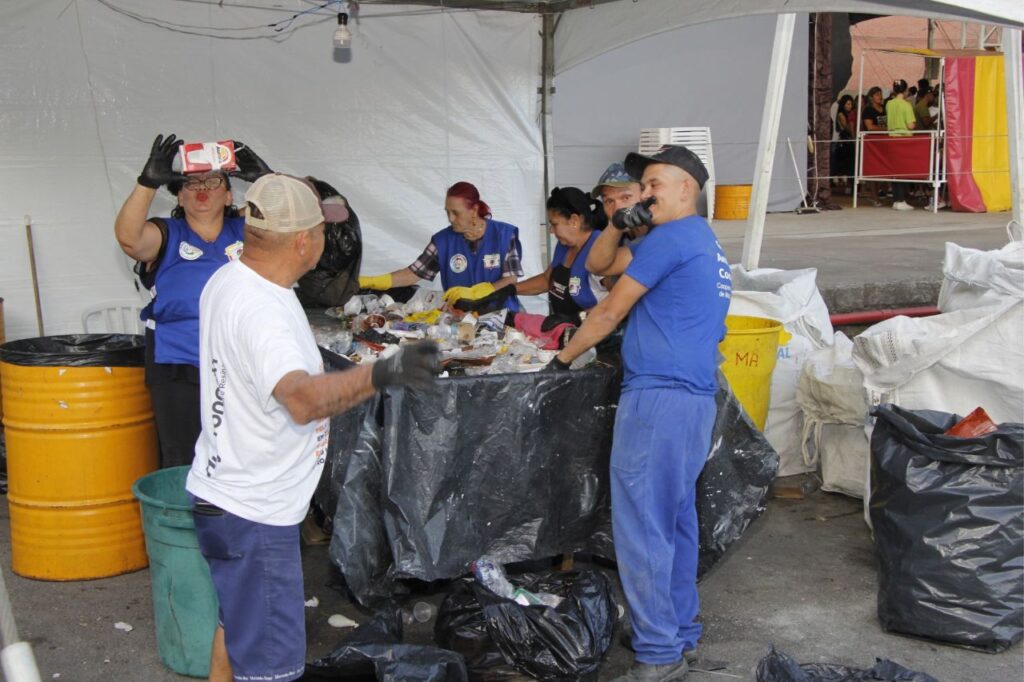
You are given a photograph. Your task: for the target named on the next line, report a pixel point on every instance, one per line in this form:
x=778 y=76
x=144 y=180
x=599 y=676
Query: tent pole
x=1014 y=116
x=549 y=23
x=770 y=118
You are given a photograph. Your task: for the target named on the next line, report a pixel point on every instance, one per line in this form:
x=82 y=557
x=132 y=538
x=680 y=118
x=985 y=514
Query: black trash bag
x=336 y=276
x=511 y=466
x=499 y=637
x=948 y=518
x=779 y=667
x=733 y=488
x=77 y=350
x=374 y=651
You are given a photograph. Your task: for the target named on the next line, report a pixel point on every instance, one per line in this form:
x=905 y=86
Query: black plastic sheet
x=374 y=651
x=76 y=350
x=779 y=667
x=500 y=639
x=948 y=518
x=733 y=488
x=512 y=466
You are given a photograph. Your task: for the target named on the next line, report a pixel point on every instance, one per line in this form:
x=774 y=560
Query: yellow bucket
x=750 y=349
x=77 y=438
x=732 y=202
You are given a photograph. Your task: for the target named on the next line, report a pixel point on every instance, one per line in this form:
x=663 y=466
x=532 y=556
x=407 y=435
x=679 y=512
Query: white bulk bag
x=972 y=278
x=834 y=404
x=792 y=298
x=952 y=362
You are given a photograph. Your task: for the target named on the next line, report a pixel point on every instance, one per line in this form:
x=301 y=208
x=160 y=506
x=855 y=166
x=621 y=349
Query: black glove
x=488 y=303
x=250 y=166
x=158 y=169
x=556 y=365
x=634 y=216
x=414 y=365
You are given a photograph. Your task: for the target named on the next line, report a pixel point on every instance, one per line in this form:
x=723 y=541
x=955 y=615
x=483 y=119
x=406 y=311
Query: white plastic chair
x=695 y=138
x=113 y=317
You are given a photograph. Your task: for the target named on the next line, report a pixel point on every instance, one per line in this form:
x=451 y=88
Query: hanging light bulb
x=342 y=35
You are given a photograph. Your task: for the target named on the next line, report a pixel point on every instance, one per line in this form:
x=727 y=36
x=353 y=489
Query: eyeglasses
x=196 y=184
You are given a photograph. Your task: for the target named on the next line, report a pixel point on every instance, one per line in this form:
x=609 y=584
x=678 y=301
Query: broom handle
x=35 y=279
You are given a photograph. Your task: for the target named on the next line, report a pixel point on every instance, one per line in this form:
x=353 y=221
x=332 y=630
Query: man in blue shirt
x=676 y=293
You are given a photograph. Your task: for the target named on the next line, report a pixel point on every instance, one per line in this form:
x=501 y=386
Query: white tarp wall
x=426 y=98
x=712 y=74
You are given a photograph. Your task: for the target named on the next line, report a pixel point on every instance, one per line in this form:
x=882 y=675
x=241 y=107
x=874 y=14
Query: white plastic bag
x=973 y=278
x=834 y=404
x=792 y=298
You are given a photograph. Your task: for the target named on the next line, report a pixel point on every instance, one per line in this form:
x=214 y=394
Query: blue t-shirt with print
x=674 y=329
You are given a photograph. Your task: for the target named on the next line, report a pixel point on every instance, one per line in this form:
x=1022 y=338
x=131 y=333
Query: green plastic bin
x=184 y=601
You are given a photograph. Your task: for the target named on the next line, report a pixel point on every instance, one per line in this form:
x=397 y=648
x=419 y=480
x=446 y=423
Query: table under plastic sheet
x=515 y=466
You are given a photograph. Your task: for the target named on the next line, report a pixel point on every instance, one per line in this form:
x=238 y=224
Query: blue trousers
x=662 y=437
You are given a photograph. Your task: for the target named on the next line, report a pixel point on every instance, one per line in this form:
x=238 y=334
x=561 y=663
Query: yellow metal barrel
x=732 y=202
x=77 y=438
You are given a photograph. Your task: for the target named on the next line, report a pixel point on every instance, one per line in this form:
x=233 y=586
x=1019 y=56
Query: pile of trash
x=370 y=327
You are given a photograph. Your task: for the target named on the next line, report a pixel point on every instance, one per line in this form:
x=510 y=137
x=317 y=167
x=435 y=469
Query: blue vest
x=460 y=267
x=187 y=264
x=579 y=278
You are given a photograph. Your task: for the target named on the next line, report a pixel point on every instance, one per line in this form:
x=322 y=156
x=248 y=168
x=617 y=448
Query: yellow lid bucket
x=750 y=349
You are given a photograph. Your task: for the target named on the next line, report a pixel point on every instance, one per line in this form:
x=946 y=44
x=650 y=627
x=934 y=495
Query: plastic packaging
x=974 y=425
x=76 y=350
x=335 y=279
x=948 y=515
x=491 y=575
x=779 y=667
x=500 y=638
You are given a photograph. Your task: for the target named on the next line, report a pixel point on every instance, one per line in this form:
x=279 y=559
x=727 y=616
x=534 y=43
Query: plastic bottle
x=491 y=575
x=422 y=612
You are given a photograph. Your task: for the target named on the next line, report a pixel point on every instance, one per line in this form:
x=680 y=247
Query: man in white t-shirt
x=265 y=407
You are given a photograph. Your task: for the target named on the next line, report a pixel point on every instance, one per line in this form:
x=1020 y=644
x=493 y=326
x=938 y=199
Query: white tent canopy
x=427 y=97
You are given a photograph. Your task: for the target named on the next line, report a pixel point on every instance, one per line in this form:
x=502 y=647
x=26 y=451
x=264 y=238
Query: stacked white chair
x=695 y=138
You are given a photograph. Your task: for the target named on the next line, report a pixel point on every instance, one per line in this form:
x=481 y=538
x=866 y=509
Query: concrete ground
x=803 y=577
x=869 y=257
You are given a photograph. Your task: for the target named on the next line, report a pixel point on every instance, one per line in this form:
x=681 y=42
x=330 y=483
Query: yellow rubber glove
x=375 y=282
x=473 y=293
x=454 y=294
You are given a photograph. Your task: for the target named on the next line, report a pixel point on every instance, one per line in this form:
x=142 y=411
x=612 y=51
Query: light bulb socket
x=342 y=18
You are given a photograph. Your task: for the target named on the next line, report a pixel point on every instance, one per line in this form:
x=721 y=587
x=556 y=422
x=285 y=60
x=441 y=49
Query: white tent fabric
x=708 y=75
x=586 y=33
x=424 y=101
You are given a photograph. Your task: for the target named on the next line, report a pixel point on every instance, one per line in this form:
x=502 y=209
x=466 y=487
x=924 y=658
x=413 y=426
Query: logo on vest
x=189 y=252
x=458 y=263
x=574 y=286
x=492 y=260
x=233 y=251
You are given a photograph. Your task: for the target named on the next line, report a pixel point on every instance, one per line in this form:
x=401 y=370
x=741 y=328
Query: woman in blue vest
x=176 y=257
x=575 y=221
x=474 y=255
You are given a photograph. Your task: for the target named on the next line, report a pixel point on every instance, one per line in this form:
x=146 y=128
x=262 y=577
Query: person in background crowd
x=922 y=110
x=873 y=120
x=266 y=404
x=613 y=249
x=475 y=254
x=844 y=148
x=176 y=256
x=676 y=293
x=900 y=121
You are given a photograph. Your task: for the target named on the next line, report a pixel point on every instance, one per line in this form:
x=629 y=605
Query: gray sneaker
x=645 y=672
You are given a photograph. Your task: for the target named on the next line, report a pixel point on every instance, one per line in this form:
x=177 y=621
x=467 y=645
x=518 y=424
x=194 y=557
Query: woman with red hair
x=474 y=255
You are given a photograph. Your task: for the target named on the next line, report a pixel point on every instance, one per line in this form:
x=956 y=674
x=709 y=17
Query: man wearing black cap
x=676 y=293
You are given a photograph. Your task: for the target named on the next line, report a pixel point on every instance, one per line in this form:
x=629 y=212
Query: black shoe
x=646 y=672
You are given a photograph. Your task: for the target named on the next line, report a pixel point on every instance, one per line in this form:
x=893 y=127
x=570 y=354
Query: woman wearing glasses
x=176 y=256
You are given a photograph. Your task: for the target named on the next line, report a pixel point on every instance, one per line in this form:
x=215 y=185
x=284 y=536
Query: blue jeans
x=662 y=438
x=257 y=572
